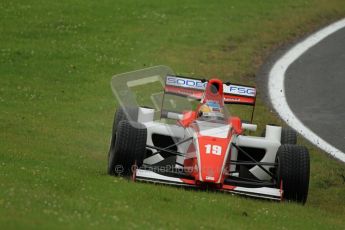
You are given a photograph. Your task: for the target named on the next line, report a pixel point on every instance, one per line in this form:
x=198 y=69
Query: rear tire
x=288 y=136
x=129 y=148
x=293 y=172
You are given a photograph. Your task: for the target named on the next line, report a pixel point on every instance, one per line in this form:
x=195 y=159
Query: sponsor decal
x=197 y=84
x=232 y=99
x=213 y=104
x=185 y=83
x=240 y=90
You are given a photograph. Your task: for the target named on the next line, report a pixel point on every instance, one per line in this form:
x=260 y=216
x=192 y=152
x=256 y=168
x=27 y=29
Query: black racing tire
x=124 y=113
x=293 y=172
x=129 y=148
x=121 y=114
x=288 y=136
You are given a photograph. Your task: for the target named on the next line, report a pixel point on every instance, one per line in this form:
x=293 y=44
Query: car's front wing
x=261 y=192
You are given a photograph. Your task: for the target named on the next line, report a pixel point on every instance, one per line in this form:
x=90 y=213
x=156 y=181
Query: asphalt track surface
x=315 y=89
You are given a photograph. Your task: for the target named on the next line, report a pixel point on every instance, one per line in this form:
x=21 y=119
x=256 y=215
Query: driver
x=211 y=110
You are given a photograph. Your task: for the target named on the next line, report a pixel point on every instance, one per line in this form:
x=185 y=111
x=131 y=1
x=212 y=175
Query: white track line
x=276 y=87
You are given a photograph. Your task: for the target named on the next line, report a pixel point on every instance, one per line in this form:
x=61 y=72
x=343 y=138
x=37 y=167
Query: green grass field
x=56 y=109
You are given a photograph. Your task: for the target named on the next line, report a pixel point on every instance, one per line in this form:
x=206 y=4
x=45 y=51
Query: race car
x=201 y=145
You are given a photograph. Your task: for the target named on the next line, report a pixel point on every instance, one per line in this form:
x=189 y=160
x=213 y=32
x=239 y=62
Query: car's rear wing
x=194 y=88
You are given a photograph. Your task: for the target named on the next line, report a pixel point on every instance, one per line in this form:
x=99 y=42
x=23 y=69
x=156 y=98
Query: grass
x=56 y=61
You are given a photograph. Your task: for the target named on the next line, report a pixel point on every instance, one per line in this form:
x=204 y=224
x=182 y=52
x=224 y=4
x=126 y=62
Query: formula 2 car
x=201 y=145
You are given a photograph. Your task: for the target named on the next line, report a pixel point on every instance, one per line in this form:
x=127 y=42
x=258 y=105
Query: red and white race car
x=204 y=147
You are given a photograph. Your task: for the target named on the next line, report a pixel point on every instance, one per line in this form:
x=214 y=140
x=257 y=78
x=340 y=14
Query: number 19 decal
x=213 y=149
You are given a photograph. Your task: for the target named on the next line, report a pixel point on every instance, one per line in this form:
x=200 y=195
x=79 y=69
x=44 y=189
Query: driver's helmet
x=211 y=110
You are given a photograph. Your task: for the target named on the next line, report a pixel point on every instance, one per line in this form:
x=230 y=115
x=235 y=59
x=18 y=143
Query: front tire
x=293 y=172
x=129 y=148
x=121 y=114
